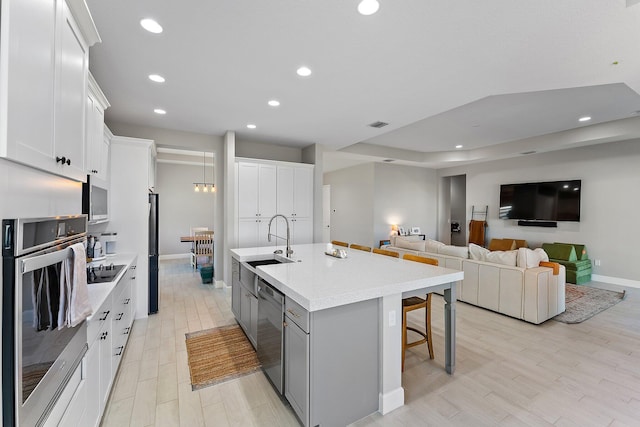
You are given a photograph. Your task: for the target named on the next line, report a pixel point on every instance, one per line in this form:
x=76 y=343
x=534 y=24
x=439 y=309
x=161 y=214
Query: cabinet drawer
x=297 y=313
x=102 y=315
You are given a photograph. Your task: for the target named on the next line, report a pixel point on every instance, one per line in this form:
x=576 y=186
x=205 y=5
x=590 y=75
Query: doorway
x=326 y=213
x=453 y=202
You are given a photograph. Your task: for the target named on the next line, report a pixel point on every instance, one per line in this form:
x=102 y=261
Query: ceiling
x=499 y=77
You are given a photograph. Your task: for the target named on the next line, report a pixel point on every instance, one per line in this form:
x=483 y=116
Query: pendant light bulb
x=368 y=7
x=196 y=188
x=205 y=189
x=213 y=188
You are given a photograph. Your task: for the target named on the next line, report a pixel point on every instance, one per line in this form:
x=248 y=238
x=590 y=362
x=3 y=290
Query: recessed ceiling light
x=565 y=186
x=159 y=111
x=274 y=102
x=251 y=126
x=156 y=78
x=304 y=71
x=368 y=7
x=151 y=25
x=458 y=146
x=584 y=119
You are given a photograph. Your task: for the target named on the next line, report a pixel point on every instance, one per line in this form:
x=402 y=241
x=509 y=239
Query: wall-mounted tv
x=541 y=201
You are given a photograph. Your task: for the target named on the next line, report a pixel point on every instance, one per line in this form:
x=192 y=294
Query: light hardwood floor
x=508 y=372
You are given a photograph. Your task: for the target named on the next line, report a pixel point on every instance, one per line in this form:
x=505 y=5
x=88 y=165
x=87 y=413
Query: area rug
x=218 y=355
x=584 y=302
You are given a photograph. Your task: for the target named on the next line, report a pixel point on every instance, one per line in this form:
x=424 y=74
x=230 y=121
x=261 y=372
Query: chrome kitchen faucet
x=289 y=250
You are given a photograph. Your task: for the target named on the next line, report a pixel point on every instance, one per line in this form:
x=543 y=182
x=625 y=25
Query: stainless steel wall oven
x=38 y=357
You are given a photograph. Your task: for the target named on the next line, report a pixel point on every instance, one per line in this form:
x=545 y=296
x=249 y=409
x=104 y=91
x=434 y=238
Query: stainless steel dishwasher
x=270 y=333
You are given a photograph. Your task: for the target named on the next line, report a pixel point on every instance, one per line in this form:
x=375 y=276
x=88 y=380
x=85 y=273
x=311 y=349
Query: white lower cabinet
x=296 y=368
x=107 y=334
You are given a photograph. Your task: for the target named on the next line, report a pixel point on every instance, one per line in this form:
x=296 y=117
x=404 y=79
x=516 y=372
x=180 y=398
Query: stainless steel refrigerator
x=153 y=253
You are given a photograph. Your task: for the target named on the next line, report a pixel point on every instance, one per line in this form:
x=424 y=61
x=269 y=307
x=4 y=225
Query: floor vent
x=378 y=125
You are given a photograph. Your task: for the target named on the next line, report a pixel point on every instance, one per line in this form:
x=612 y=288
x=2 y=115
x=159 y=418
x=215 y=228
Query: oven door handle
x=41 y=261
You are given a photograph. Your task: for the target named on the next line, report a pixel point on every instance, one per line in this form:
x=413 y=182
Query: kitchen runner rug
x=219 y=354
x=584 y=302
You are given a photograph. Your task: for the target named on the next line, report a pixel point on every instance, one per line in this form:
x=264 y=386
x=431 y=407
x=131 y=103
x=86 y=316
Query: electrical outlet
x=392 y=318
x=597 y=262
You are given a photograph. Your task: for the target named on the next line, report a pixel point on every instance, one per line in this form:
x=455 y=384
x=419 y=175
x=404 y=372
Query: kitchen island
x=349 y=301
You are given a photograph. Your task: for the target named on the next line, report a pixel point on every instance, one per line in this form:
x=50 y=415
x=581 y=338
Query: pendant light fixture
x=206 y=186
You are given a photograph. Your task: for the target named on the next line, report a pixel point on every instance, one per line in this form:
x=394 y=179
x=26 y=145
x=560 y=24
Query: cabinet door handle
x=127 y=300
x=63 y=160
x=120 y=316
x=119 y=350
x=293 y=313
x=126 y=330
x=105 y=315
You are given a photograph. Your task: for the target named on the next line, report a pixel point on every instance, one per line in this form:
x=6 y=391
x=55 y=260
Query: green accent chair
x=575 y=259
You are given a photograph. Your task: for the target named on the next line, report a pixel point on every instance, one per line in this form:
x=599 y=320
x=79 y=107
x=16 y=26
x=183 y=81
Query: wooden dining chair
x=339 y=243
x=202 y=248
x=386 y=252
x=360 y=247
x=415 y=303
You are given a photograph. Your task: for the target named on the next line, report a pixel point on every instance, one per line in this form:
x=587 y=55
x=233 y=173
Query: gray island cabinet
x=342 y=326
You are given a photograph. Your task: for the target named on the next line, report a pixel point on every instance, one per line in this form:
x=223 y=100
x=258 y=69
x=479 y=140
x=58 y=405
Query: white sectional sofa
x=532 y=294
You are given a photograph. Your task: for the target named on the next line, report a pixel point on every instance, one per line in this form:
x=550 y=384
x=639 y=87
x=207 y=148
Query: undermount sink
x=255 y=264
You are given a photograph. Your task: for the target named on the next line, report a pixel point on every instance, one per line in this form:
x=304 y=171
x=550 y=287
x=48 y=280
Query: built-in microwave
x=95 y=201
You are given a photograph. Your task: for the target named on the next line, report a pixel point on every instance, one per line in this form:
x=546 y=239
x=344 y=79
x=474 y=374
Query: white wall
x=265 y=151
x=406 y=196
x=198 y=142
x=367 y=199
x=182 y=208
x=352 y=204
x=610 y=175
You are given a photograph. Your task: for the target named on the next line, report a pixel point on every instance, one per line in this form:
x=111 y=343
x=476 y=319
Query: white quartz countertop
x=318 y=281
x=98 y=292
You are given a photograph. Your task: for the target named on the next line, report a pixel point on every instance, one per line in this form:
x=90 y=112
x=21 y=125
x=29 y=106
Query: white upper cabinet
x=266 y=188
x=43 y=84
x=295 y=191
x=96 y=141
x=26 y=80
x=256 y=190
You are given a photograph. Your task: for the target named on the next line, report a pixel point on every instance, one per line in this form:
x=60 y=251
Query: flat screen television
x=541 y=201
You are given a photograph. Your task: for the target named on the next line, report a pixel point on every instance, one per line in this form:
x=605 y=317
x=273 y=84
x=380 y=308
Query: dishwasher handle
x=266 y=291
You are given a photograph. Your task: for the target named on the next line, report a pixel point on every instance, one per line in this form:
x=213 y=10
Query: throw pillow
x=477 y=253
x=502 y=245
x=528 y=258
x=432 y=246
x=542 y=254
x=457 y=251
x=503 y=257
x=406 y=244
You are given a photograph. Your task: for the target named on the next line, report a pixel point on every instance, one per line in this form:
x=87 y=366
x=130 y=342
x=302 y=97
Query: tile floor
x=508 y=372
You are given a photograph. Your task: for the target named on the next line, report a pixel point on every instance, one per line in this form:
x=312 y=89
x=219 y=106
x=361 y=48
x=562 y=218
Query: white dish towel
x=74 y=295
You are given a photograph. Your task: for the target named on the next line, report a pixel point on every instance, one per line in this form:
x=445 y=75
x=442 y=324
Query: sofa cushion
x=418 y=245
x=528 y=258
x=560 y=251
x=477 y=253
x=502 y=244
x=581 y=250
x=503 y=257
x=457 y=251
x=432 y=246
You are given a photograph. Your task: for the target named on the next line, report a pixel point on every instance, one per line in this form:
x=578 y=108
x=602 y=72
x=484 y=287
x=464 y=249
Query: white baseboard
x=174 y=256
x=616 y=281
x=394 y=399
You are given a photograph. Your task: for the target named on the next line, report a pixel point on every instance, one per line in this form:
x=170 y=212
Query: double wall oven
x=38 y=358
